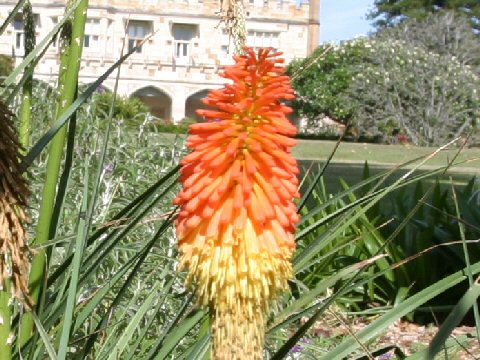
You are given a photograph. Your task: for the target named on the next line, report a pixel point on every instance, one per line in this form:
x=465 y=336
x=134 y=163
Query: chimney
x=313 y=25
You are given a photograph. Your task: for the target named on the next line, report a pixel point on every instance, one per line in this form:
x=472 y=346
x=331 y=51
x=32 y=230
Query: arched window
x=193 y=103
x=158 y=101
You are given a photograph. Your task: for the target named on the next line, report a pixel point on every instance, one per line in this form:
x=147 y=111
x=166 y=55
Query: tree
x=387 y=87
x=321 y=79
x=445 y=33
x=407 y=90
x=391 y=12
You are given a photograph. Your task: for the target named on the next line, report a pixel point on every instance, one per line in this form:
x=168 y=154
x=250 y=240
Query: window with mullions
x=183 y=34
x=137 y=31
x=91 y=42
x=262 y=39
x=19 y=32
x=92 y=38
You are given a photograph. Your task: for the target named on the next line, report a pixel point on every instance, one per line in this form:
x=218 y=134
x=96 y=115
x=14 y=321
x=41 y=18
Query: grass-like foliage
x=104 y=278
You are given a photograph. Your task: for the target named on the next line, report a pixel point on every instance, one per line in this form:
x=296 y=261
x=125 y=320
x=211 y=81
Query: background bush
x=417 y=82
x=321 y=80
x=6 y=66
x=127 y=108
x=160 y=125
x=406 y=90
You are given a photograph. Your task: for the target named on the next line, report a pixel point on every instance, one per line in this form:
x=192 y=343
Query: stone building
x=177 y=65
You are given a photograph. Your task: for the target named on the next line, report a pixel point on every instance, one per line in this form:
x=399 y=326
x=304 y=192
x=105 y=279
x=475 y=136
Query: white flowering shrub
x=446 y=33
x=405 y=90
x=389 y=89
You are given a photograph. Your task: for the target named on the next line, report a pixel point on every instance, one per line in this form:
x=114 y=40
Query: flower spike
x=14 y=261
x=237 y=219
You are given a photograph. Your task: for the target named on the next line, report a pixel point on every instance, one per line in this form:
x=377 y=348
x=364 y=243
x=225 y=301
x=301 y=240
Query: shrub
x=389 y=89
x=446 y=33
x=321 y=80
x=405 y=89
x=159 y=125
x=130 y=109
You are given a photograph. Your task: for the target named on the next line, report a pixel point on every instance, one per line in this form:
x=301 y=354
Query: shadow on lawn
x=352 y=173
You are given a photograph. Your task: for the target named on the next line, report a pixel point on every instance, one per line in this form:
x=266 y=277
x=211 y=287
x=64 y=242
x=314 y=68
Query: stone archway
x=193 y=103
x=158 y=101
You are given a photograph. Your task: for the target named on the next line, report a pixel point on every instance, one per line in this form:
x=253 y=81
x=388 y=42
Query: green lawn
x=349 y=159
x=373 y=153
x=381 y=154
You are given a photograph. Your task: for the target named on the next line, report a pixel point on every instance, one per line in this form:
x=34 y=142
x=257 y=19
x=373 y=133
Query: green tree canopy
x=390 y=12
x=321 y=79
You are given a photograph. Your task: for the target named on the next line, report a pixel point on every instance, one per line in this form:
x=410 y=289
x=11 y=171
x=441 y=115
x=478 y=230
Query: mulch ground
x=411 y=337
x=408 y=337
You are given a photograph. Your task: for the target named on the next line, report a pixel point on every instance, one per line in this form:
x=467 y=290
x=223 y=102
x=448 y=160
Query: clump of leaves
x=129 y=109
x=418 y=234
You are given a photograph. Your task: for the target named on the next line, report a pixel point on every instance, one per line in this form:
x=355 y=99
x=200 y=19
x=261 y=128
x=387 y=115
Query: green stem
x=68 y=78
x=5 y=323
x=25 y=114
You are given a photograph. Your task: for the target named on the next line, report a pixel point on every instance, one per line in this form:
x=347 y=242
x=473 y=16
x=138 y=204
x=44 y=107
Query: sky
x=344 y=19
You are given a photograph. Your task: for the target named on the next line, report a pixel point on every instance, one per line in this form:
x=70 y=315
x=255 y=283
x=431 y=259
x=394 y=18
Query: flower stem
x=68 y=78
x=5 y=323
x=25 y=114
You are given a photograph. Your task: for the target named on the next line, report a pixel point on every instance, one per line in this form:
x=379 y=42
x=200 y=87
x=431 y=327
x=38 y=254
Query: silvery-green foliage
x=135 y=159
x=445 y=33
x=404 y=89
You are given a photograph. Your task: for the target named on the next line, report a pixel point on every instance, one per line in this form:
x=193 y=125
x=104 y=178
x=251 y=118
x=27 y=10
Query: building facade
x=186 y=47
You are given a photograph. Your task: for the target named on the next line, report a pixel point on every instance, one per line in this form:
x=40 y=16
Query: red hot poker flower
x=237 y=220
